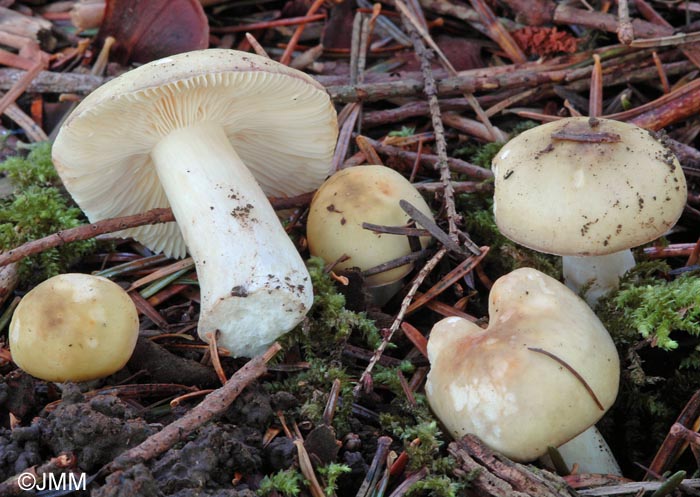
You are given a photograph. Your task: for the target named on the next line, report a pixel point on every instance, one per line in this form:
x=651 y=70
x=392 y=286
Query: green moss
x=36 y=169
x=482 y=154
x=330 y=475
x=39 y=208
x=654 y=322
x=329 y=324
x=287 y=482
x=437 y=486
x=404 y=132
x=655 y=310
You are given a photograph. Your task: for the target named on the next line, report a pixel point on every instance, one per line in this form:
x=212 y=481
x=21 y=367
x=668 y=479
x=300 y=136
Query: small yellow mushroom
x=357 y=195
x=74 y=327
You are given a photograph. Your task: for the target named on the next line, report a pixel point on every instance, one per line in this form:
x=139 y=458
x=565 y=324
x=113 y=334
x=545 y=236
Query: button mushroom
x=543 y=371
x=209 y=133
x=587 y=189
x=352 y=197
x=74 y=327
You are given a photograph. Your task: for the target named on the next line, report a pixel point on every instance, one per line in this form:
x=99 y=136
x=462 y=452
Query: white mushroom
x=209 y=133
x=589 y=190
x=543 y=371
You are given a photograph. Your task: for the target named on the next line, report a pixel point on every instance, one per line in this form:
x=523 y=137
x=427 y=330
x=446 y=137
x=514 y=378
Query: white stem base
x=254 y=285
x=596 y=274
x=591 y=453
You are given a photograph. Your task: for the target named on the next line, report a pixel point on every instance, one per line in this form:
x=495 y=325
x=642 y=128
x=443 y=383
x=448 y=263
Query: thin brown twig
x=287 y=21
x=456 y=165
x=595 y=99
x=257 y=47
x=214 y=355
x=87 y=231
x=20 y=86
x=461 y=270
x=386 y=339
x=625 y=31
x=569 y=368
x=662 y=74
x=498 y=32
x=292 y=44
x=414 y=27
x=425 y=56
x=212 y=406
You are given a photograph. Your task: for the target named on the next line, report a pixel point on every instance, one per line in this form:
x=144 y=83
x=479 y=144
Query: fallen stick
x=87 y=231
x=213 y=405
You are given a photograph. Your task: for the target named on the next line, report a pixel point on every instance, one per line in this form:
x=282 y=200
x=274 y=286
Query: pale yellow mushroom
x=589 y=190
x=74 y=327
x=357 y=195
x=543 y=371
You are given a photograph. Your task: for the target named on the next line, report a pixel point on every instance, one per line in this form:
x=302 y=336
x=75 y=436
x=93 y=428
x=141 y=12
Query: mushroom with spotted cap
x=74 y=327
x=357 y=195
x=209 y=133
x=543 y=371
x=588 y=189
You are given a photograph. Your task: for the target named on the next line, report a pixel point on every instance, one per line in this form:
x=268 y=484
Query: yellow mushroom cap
x=74 y=327
x=582 y=186
x=508 y=384
x=354 y=196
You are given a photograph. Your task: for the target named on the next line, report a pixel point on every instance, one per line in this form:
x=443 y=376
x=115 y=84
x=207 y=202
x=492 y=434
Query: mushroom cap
x=354 y=196
x=566 y=197
x=74 y=327
x=491 y=383
x=279 y=120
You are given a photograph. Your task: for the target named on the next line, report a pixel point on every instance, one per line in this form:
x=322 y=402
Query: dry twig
x=212 y=406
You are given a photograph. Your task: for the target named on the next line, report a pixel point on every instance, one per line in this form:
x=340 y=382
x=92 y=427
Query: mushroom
x=74 y=327
x=543 y=371
x=588 y=189
x=209 y=133
x=357 y=195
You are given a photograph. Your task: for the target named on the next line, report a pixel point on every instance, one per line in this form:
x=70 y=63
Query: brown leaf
x=151 y=30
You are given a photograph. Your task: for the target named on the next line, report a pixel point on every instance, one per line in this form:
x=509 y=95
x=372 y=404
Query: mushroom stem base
x=596 y=275
x=254 y=284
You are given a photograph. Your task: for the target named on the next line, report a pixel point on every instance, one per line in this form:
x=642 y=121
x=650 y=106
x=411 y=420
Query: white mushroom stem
x=596 y=275
x=591 y=453
x=254 y=284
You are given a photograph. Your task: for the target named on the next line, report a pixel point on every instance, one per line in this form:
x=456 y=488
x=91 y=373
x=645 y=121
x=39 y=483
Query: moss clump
x=653 y=320
x=36 y=209
x=330 y=475
x=287 y=483
x=482 y=154
x=404 y=132
x=329 y=325
x=655 y=310
x=436 y=486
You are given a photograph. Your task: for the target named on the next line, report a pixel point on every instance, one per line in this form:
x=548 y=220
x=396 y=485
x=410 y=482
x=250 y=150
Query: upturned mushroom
x=209 y=133
x=74 y=327
x=543 y=371
x=588 y=189
x=357 y=195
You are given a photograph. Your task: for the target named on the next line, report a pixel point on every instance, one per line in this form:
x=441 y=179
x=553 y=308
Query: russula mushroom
x=543 y=371
x=357 y=195
x=209 y=133
x=588 y=189
x=74 y=327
